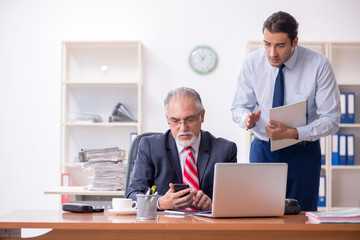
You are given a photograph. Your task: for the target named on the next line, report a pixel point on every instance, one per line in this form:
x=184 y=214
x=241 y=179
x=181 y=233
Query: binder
x=350 y=107
x=350 y=149
x=322 y=191
x=322 y=149
x=343 y=107
x=335 y=149
x=342 y=149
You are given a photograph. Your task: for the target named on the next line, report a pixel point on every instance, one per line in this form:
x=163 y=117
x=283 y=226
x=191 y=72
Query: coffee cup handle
x=134 y=202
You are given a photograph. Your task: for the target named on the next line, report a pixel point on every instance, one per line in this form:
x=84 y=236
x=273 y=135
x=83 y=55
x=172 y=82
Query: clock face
x=203 y=59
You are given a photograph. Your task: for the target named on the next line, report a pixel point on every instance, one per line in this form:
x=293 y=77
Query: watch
x=203 y=59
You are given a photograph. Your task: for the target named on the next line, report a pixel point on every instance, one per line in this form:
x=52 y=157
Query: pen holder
x=146 y=206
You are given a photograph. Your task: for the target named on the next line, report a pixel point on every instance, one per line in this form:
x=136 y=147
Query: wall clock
x=203 y=59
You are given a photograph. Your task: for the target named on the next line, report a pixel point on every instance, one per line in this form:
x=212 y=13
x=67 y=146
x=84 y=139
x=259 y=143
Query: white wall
x=30 y=36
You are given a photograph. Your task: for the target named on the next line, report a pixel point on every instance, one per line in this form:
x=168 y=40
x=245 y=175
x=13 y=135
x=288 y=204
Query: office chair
x=132 y=156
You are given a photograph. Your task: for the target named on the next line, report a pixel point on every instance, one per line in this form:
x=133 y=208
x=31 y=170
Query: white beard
x=185 y=143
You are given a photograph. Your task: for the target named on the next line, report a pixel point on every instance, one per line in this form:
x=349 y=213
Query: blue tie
x=278 y=99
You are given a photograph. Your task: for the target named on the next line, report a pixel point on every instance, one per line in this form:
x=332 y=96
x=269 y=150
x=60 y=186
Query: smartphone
x=179 y=187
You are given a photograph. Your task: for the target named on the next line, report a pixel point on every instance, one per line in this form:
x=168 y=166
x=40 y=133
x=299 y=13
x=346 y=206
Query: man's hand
x=201 y=201
x=277 y=131
x=176 y=200
x=251 y=119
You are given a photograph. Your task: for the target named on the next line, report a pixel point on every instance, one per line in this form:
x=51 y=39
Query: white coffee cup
x=123 y=204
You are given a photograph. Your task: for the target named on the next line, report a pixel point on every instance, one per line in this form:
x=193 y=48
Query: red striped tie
x=190 y=171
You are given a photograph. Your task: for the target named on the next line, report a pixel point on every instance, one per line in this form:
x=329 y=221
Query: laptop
x=248 y=190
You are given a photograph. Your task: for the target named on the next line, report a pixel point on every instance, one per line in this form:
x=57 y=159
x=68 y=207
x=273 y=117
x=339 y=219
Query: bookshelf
x=342 y=185
x=344 y=181
x=96 y=76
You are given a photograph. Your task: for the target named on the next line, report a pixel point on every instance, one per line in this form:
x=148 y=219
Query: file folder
x=322 y=191
x=322 y=149
x=343 y=107
x=342 y=149
x=65 y=181
x=350 y=107
x=335 y=149
x=350 y=149
x=133 y=135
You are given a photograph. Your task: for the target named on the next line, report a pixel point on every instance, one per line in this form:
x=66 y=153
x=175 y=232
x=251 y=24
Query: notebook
x=248 y=190
x=292 y=115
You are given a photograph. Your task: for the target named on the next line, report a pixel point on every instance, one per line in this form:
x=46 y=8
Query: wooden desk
x=107 y=225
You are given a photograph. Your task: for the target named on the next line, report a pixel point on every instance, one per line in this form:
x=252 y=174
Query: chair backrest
x=133 y=150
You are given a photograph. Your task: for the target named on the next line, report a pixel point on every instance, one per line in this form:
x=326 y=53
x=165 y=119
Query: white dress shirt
x=308 y=76
x=194 y=150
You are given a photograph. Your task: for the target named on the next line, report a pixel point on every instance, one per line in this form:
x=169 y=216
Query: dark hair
x=282 y=22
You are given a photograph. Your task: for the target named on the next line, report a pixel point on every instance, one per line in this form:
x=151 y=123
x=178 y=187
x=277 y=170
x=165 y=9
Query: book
x=350 y=149
x=322 y=191
x=343 y=106
x=292 y=115
x=335 y=149
x=342 y=149
x=345 y=216
x=350 y=107
x=322 y=150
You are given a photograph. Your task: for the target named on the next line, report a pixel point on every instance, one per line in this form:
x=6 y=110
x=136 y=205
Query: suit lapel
x=173 y=155
x=203 y=156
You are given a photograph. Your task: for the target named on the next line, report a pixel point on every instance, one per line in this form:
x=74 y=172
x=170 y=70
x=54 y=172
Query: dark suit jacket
x=157 y=163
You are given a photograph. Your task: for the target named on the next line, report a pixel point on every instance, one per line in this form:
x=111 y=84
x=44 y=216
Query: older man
x=183 y=154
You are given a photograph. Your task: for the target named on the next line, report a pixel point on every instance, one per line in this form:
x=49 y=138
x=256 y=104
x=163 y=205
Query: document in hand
x=346 y=216
x=292 y=115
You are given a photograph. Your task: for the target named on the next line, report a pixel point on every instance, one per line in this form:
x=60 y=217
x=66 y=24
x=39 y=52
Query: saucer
x=123 y=212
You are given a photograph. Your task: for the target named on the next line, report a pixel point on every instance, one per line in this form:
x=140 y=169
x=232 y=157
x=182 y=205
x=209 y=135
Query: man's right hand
x=176 y=200
x=251 y=119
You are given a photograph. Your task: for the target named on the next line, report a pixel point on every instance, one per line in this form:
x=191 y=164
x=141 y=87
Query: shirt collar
x=291 y=62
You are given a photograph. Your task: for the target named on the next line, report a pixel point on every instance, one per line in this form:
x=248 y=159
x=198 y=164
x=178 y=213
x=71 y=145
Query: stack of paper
x=108 y=166
x=108 y=175
x=85 y=118
x=102 y=154
x=346 y=216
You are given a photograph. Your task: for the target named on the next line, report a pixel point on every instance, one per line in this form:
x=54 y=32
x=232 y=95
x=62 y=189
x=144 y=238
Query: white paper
x=292 y=115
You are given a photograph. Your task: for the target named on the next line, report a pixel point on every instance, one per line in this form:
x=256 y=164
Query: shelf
x=84 y=60
x=100 y=83
x=80 y=190
x=96 y=77
x=102 y=124
x=344 y=167
x=350 y=125
x=346 y=61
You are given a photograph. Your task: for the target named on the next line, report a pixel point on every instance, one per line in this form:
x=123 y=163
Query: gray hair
x=183 y=92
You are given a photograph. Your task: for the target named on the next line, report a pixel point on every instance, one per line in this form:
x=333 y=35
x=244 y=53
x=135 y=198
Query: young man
x=300 y=74
x=183 y=154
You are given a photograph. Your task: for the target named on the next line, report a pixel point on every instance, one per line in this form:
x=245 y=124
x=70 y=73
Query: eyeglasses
x=187 y=121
